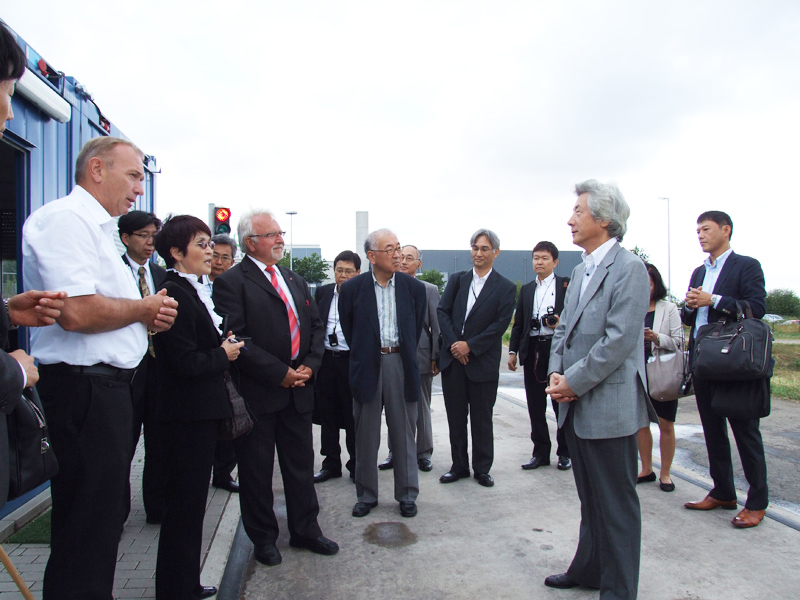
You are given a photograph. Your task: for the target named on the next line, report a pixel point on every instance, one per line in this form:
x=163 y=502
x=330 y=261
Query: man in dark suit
x=597 y=373
x=273 y=306
x=137 y=231
x=474 y=312
x=538 y=308
x=428 y=359
x=333 y=395
x=382 y=314
x=724 y=278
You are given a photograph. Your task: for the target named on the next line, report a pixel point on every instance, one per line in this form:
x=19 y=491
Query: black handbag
x=31 y=459
x=240 y=423
x=738 y=350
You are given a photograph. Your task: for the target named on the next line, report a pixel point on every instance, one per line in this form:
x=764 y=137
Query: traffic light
x=222 y=220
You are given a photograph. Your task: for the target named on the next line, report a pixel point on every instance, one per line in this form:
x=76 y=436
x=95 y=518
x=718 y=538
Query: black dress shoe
x=484 y=479
x=325 y=474
x=425 y=464
x=452 y=476
x=560 y=581
x=320 y=545
x=229 y=485
x=408 y=509
x=204 y=591
x=387 y=464
x=268 y=554
x=564 y=463
x=646 y=478
x=361 y=509
x=535 y=463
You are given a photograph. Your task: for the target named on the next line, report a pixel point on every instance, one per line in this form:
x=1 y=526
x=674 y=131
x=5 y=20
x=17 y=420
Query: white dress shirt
x=335 y=326
x=281 y=282
x=475 y=288
x=543 y=298
x=592 y=260
x=68 y=245
x=709 y=281
x=148 y=276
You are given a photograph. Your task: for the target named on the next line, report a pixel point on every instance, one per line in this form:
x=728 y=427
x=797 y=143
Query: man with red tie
x=273 y=307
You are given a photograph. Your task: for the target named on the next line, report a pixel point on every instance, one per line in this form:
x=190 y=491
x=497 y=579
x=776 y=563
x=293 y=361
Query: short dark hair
x=12 y=58
x=348 y=256
x=546 y=247
x=225 y=240
x=136 y=220
x=659 y=289
x=719 y=217
x=177 y=232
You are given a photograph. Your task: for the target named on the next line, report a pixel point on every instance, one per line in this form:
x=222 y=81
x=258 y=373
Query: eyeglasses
x=341 y=271
x=390 y=251
x=271 y=234
x=146 y=237
x=224 y=257
x=408 y=258
x=205 y=244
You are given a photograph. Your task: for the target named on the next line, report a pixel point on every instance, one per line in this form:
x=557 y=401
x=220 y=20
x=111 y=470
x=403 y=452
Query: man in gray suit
x=427 y=357
x=597 y=373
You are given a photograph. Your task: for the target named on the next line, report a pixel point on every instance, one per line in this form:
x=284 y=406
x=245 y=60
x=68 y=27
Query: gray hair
x=490 y=235
x=419 y=252
x=102 y=148
x=372 y=239
x=225 y=240
x=245 y=226
x=606 y=203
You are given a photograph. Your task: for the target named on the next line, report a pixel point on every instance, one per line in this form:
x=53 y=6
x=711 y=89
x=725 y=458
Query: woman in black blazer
x=192 y=401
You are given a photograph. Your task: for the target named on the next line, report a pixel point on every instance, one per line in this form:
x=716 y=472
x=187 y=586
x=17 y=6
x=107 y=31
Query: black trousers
x=535 y=374
x=190 y=452
x=749 y=443
x=289 y=432
x=90 y=420
x=460 y=397
x=335 y=409
x=145 y=409
x=224 y=462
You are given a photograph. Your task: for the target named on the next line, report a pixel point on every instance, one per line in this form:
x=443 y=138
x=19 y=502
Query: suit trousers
x=460 y=397
x=609 y=544
x=90 y=421
x=224 y=462
x=289 y=432
x=190 y=452
x=335 y=407
x=424 y=428
x=751 y=451
x=145 y=408
x=401 y=420
x=535 y=374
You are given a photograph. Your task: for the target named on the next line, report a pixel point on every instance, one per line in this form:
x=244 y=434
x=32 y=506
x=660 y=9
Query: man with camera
x=538 y=308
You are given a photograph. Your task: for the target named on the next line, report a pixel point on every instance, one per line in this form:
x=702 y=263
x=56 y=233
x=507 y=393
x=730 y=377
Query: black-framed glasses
x=146 y=236
x=271 y=234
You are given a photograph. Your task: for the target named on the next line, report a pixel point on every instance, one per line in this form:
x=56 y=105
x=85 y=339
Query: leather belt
x=542 y=338
x=98 y=370
x=338 y=353
x=388 y=350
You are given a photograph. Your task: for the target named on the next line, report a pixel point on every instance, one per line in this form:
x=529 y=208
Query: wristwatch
x=714 y=300
x=11 y=326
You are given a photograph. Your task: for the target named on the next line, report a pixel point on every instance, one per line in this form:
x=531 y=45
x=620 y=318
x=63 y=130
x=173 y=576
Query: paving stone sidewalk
x=136 y=561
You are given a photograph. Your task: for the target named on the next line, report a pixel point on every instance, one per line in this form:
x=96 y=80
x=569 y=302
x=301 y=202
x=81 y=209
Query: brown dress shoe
x=748 y=518
x=708 y=503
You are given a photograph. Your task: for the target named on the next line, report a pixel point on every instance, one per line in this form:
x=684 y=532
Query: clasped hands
x=696 y=297
x=559 y=389
x=297 y=377
x=460 y=351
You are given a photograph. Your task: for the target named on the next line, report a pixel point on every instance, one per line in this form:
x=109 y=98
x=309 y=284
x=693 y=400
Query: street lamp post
x=669 y=255
x=291 y=214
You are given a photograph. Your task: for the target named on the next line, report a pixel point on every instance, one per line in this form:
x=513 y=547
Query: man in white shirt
x=88 y=360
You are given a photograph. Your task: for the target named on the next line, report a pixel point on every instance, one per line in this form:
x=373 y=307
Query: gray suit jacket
x=428 y=347
x=598 y=347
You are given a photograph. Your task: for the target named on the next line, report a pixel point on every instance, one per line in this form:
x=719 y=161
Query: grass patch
x=35 y=532
x=786 y=377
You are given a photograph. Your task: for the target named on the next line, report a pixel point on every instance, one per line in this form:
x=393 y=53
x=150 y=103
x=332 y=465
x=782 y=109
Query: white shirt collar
x=546 y=281
x=599 y=253
x=476 y=278
x=720 y=259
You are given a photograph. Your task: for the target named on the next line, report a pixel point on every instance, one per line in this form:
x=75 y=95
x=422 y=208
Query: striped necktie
x=144 y=290
x=293 y=324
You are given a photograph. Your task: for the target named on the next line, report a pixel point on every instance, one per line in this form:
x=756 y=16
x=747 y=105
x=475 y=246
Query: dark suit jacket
x=323 y=296
x=11 y=382
x=255 y=309
x=191 y=362
x=521 y=330
x=485 y=326
x=741 y=278
x=359 y=310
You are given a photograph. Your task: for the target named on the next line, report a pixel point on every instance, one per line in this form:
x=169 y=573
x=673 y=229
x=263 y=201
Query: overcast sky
x=443 y=117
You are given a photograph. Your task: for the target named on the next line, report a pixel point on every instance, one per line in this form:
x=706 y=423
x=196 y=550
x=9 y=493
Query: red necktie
x=293 y=325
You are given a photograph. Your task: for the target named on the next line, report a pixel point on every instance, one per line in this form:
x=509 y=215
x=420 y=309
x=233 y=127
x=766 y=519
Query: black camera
x=549 y=319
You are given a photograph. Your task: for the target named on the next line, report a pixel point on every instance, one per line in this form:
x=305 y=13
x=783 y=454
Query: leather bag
x=240 y=423
x=665 y=375
x=737 y=350
x=31 y=459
